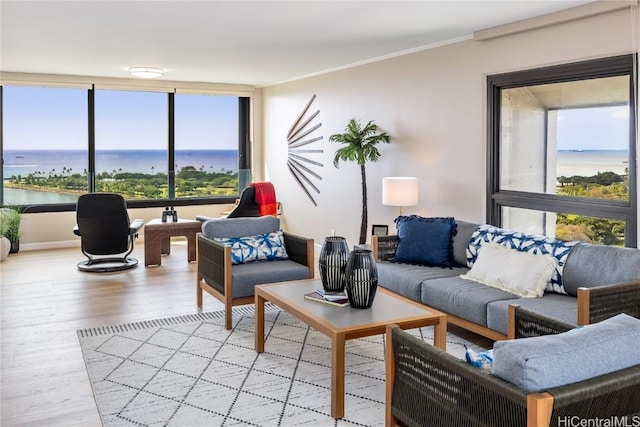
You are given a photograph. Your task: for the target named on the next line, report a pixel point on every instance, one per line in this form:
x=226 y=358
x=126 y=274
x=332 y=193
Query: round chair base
x=107 y=265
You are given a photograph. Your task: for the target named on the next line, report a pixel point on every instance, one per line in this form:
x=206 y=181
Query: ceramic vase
x=361 y=278
x=5 y=247
x=333 y=260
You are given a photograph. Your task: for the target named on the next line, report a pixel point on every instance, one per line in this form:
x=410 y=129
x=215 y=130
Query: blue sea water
x=24 y=162
x=590 y=162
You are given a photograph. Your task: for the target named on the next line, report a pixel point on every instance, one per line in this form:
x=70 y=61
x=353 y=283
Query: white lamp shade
x=400 y=191
x=146 y=72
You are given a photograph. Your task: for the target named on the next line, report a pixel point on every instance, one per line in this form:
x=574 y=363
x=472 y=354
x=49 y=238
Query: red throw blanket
x=266 y=198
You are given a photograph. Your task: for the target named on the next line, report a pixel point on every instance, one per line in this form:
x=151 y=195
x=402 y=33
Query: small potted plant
x=5 y=244
x=10 y=218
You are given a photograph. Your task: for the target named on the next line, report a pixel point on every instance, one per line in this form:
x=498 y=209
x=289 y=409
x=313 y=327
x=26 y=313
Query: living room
x=433 y=104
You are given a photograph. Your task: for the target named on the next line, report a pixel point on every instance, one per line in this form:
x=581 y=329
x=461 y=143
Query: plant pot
x=15 y=247
x=5 y=247
x=361 y=278
x=333 y=259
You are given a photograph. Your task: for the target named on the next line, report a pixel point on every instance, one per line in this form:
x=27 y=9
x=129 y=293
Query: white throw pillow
x=520 y=273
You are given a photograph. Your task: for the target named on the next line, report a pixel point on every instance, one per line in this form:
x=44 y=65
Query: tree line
x=604 y=185
x=189 y=182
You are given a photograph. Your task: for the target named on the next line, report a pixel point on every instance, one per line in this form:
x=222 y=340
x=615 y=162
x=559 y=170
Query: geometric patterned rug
x=191 y=371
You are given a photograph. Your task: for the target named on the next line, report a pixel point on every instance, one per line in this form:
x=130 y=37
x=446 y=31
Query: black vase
x=15 y=246
x=361 y=278
x=333 y=259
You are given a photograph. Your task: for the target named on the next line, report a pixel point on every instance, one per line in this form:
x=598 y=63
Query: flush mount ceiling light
x=146 y=72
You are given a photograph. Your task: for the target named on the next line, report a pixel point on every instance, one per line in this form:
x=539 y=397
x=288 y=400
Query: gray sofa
x=600 y=281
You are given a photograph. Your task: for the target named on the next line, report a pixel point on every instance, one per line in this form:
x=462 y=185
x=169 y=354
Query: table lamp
x=400 y=191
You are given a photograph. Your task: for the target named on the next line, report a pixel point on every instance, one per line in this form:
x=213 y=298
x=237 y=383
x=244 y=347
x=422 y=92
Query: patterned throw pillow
x=263 y=247
x=526 y=243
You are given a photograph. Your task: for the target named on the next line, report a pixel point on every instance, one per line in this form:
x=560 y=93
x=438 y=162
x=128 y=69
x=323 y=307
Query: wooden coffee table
x=158 y=234
x=345 y=323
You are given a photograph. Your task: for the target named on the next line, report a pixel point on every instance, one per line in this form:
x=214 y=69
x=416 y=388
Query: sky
x=594 y=129
x=56 y=118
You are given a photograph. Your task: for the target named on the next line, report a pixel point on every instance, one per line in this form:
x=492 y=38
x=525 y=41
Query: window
x=154 y=148
x=44 y=145
x=206 y=141
x=131 y=144
x=562 y=151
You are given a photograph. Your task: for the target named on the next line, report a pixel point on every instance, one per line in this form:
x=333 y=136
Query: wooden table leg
x=151 y=248
x=259 y=326
x=166 y=246
x=191 y=246
x=337 y=375
x=440 y=333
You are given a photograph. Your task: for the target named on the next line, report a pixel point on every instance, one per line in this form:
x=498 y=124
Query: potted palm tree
x=359 y=145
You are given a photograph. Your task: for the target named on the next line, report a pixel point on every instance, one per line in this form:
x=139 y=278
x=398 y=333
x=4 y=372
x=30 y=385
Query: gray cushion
x=556 y=306
x=246 y=276
x=406 y=279
x=598 y=265
x=240 y=227
x=461 y=241
x=540 y=363
x=462 y=298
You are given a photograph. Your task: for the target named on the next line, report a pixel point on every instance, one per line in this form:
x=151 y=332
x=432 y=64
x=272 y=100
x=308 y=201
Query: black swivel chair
x=104 y=228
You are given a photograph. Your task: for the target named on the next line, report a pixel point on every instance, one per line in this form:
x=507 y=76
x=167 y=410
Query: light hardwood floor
x=44 y=300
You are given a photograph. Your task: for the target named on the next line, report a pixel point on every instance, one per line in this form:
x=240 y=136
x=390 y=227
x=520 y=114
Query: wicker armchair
x=233 y=284
x=425 y=386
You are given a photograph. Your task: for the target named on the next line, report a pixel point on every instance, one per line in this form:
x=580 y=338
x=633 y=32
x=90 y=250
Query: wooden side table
x=158 y=234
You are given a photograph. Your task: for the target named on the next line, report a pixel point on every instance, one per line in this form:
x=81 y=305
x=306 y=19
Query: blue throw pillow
x=263 y=247
x=425 y=240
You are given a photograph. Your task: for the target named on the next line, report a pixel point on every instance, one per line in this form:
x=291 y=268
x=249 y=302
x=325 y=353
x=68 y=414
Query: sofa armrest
x=211 y=261
x=301 y=250
x=616 y=394
x=425 y=384
x=524 y=323
x=384 y=247
x=602 y=302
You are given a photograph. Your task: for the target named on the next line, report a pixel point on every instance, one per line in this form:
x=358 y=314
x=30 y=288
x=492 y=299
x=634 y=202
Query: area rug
x=191 y=371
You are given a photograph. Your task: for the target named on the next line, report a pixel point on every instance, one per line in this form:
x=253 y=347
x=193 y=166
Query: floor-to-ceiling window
x=562 y=151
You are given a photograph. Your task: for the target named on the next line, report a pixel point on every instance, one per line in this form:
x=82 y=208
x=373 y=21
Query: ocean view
x=24 y=162
x=590 y=162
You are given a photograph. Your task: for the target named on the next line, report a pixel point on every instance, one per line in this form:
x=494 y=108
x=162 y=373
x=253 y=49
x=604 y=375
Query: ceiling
x=243 y=42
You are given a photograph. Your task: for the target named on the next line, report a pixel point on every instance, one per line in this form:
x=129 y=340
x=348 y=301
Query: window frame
x=622 y=65
x=244 y=152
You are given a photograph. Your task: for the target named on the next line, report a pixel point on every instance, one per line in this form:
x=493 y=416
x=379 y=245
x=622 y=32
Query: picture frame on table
x=379 y=230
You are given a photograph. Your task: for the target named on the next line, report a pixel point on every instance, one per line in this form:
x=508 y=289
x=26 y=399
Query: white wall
x=433 y=104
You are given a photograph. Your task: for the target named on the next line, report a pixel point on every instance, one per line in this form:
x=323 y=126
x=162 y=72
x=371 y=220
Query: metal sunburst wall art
x=298 y=140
